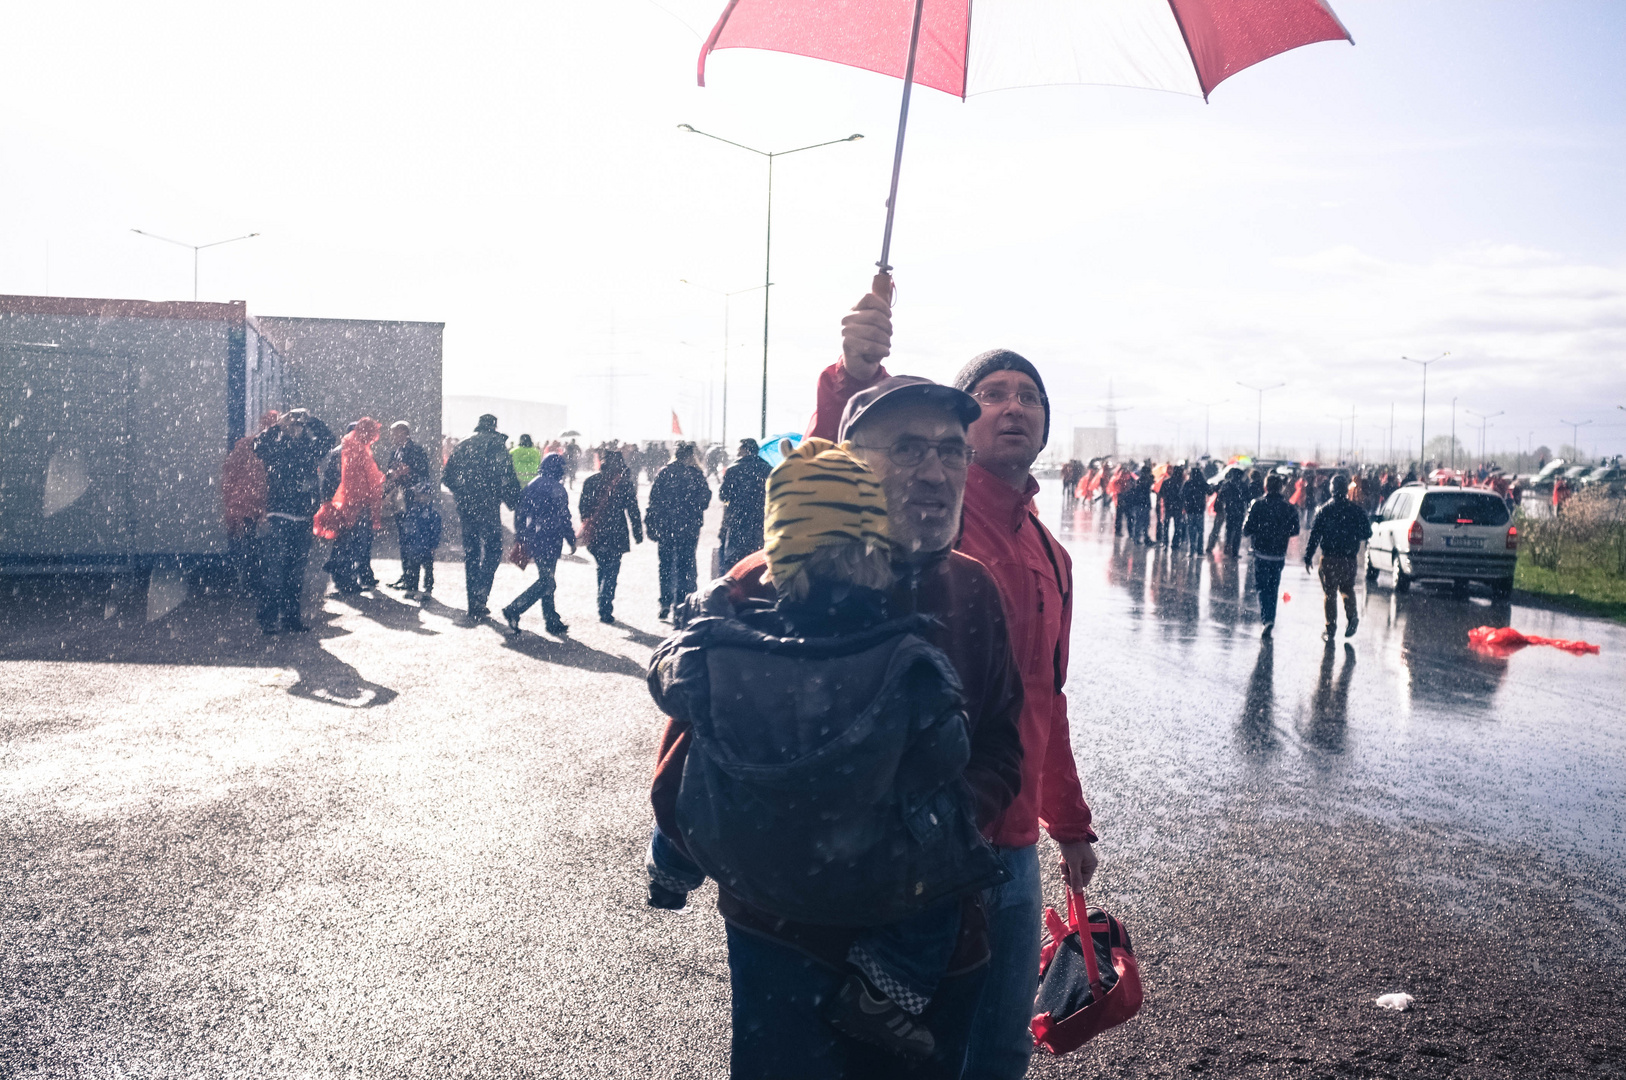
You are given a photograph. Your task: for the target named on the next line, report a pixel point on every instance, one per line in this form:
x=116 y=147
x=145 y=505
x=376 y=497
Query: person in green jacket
x=527 y=460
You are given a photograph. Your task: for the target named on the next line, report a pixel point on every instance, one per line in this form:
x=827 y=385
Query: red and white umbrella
x=965 y=48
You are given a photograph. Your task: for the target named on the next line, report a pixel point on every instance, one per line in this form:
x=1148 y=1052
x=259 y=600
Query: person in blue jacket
x=542 y=526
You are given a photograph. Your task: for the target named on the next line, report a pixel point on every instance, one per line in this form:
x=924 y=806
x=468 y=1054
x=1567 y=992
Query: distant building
x=538 y=419
x=1094 y=442
x=116 y=415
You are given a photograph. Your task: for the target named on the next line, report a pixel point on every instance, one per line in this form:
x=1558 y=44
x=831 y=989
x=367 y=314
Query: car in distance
x=1460 y=535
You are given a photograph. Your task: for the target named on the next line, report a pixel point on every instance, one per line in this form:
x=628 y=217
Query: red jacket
x=1002 y=532
x=836 y=388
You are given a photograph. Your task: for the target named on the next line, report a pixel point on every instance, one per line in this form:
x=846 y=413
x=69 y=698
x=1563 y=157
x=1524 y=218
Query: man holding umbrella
x=1034 y=574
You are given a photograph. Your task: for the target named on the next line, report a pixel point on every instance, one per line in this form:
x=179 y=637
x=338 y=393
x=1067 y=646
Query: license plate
x=1464 y=541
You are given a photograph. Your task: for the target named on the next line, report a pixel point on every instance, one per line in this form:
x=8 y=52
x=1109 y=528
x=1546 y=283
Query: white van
x=1453 y=534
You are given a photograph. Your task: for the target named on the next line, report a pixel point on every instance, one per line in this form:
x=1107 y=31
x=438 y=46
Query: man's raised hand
x=866 y=336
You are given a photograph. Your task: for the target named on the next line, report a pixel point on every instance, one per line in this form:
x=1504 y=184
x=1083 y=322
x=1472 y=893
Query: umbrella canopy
x=1186 y=46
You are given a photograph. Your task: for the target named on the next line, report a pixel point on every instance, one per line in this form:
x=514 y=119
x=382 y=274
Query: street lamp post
x=1338 y=454
x=1575 y=434
x=1207 y=406
x=1259 y=416
x=1484 y=419
x=1453 y=434
x=767 y=269
x=195 y=249
x=1422 y=437
x=726 y=297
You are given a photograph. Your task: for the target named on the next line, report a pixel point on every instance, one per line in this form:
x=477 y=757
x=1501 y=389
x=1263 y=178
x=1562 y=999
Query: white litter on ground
x=1397 y=1002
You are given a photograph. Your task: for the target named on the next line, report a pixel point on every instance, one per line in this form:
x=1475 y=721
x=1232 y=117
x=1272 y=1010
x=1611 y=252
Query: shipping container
x=115 y=419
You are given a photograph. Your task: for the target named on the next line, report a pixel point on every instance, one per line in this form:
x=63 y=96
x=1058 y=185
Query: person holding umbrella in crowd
x=1033 y=572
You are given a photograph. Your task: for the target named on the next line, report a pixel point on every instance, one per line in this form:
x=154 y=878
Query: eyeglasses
x=909 y=452
x=1030 y=399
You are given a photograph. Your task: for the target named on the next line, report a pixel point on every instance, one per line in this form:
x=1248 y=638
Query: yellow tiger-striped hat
x=820 y=494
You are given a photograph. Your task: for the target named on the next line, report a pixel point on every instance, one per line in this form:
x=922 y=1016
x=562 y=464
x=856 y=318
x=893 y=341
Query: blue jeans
x=1267 y=578
x=779 y=1034
x=1001 y=1041
x=542 y=589
x=609 y=572
x=284 y=551
x=482 y=554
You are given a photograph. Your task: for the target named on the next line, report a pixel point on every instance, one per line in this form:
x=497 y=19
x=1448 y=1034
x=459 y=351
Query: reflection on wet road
x=1172 y=686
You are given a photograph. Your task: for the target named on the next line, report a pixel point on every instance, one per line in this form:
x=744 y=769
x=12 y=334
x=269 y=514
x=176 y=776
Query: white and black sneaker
x=860 y=1012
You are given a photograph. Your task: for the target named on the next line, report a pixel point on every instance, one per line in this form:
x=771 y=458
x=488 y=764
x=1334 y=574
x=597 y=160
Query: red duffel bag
x=1088 y=978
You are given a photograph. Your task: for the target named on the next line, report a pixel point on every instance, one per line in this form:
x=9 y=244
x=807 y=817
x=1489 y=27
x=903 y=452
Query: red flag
x=677 y=428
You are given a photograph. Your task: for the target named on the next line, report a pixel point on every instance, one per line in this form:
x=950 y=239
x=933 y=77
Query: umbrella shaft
x=903 y=123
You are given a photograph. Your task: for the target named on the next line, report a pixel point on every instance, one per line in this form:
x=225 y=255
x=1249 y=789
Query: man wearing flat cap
x=1002 y=531
x=911 y=433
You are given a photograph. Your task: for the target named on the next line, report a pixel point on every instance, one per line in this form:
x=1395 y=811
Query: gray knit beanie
x=994 y=360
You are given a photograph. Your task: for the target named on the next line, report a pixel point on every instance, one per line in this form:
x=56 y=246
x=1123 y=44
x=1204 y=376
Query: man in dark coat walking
x=407 y=470
x=677 y=504
x=1340 y=528
x=742 y=493
x=609 y=503
x=292 y=452
x=1271 y=522
x=1194 y=500
x=1230 y=503
x=480 y=475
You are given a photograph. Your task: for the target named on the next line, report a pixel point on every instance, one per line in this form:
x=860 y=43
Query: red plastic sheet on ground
x=1504 y=641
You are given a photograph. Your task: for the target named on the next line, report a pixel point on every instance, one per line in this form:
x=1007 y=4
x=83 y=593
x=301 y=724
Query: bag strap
x=1066 y=596
x=611 y=490
x=1079 y=919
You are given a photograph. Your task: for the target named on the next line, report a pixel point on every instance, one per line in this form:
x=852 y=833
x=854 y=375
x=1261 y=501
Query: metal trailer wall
x=115 y=417
x=349 y=368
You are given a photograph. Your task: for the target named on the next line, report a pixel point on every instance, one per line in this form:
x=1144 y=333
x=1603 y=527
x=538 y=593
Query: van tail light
x=1414 y=535
x=1512 y=538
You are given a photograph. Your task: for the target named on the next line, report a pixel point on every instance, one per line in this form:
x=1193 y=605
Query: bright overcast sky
x=1452 y=183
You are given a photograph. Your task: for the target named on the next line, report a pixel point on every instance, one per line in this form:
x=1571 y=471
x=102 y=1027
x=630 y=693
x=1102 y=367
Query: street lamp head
x=686 y=127
x=853 y=138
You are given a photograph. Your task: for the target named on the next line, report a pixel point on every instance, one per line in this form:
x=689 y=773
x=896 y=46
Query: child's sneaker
x=861 y=1013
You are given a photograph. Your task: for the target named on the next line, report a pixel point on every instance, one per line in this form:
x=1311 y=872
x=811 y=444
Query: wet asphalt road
x=404 y=846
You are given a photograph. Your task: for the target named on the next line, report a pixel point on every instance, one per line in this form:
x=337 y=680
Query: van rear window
x=1468 y=508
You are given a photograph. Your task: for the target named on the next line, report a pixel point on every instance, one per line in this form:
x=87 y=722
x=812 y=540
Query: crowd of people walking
x=892 y=565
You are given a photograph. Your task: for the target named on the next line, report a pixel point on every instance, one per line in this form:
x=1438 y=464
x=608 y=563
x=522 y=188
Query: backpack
x=823 y=783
